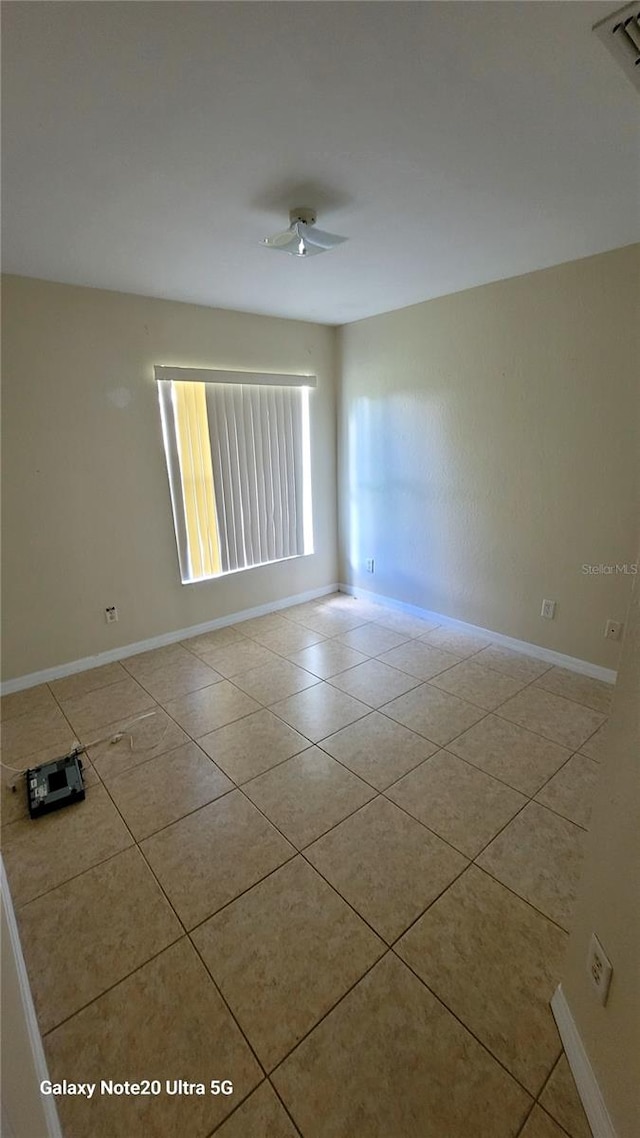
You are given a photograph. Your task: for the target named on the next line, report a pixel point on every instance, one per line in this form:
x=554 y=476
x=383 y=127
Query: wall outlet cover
x=600 y=969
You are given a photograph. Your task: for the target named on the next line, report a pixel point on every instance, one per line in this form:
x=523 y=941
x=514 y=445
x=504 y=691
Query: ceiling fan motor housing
x=302 y=213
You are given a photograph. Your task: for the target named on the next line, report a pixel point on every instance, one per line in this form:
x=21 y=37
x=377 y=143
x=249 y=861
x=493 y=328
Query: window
x=238 y=457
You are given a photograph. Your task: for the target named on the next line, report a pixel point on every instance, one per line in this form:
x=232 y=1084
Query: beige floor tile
x=91 y=680
x=539 y=856
x=142 y=662
x=307 y=795
x=208 y=858
x=558 y=719
x=262 y=1115
x=291 y=638
x=453 y=640
x=525 y=668
x=33 y=731
x=297 y=613
x=155 y=794
x=268 y=622
x=167 y=1022
x=404 y=623
x=252 y=745
x=374 y=683
x=433 y=713
x=90 y=711
x=272 y=682
x=482 y=686
x=419 y=659
x=202 y=711
x=331 y=621
x=217 y=638
x=234 y=659
x=359 y=607
x=13 y=798
x=571 y=792
x=283 y=954
x=44 y=852
x=179 y=675
x=319 y=711
x=518 y=757
x=26 y=702
x=139 y=742
x=372 y=639
x=378 y=749
x=582 y=689
x=560 y=1098
x=597 y=746
x=463 y=805
x=464 y=948
x=91 y=932
x=539 y=1125
x=327 y=658
x=386 y=865
x=387 y=1061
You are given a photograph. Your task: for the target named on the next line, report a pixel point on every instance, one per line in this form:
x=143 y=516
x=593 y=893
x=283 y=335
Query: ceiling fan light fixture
x=302 y=239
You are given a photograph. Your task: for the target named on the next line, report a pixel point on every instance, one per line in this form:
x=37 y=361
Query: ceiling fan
x=302 y=239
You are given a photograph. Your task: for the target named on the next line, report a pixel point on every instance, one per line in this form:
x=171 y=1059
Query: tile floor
x=308 y=866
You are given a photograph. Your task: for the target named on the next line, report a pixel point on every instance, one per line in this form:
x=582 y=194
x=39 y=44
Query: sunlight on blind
x=196 y=474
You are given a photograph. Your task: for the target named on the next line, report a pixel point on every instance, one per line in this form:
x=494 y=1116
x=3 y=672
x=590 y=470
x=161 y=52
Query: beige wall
x=86 y=509
x=488 y=450
x=609 y=904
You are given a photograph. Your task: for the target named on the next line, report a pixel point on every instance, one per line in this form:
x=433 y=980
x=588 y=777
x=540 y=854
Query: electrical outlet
x=111 y=614
x=599 y=968
x=548 y=610
x=613 y=630
x=370 y=565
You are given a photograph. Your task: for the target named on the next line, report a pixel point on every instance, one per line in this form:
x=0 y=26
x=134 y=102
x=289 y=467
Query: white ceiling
x=148 y=147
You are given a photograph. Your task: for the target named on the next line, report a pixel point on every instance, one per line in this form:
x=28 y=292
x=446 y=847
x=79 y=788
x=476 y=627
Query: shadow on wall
x=398 y=456
x=429 y=505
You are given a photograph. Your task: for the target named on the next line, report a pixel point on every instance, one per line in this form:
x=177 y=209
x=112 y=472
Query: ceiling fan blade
x=319 y=237
x=281 y=240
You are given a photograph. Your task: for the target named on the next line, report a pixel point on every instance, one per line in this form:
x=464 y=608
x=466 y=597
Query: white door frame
x=26 y=1113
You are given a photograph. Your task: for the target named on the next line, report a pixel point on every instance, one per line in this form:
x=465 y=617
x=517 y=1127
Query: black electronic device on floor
x=55 y=784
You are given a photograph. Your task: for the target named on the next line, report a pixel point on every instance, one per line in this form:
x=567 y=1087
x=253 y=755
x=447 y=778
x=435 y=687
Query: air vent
x=620 y=33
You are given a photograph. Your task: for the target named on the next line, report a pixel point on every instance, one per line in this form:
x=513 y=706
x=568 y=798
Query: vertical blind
x=238 y=463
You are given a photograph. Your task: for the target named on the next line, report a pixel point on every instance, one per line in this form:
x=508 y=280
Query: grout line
x=266 y=1081
x=549 y=1115
x=333 y=1007
x=94 y=999
x=548 y=1078
x=494 y=711
x=230 y=1011
x=524 y=900
x=285 y=1107
x=334 y=826
x=74 y=877
x=376 y=793
x=247 y=889
x=526 y=1119
x=186 y=934
x=466 y=1027
x=301 y=852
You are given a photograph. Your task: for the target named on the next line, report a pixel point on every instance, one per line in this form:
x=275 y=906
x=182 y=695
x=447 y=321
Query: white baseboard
x=608 y=675
x=590 y=1094
x=83 y=665
x=69 y=669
